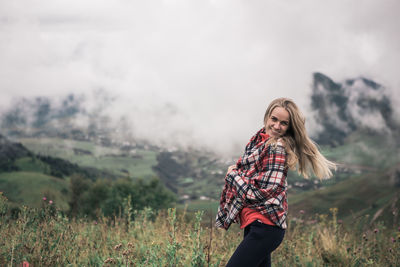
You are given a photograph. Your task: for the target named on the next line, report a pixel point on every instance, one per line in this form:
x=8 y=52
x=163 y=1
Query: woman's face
x=278 y=122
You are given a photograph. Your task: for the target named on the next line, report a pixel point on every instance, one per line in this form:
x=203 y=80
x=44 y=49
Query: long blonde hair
x=303 y=153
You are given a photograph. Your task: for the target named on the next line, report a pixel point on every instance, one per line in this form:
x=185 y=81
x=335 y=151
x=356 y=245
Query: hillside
x=9 y=152
x=376 y=194
x=28 y=188
x=25 y=177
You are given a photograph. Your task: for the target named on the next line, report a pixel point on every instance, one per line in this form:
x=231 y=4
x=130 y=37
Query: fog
x=193 y=72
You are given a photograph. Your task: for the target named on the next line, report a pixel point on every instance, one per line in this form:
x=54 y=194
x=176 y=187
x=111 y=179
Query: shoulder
x=277 y=147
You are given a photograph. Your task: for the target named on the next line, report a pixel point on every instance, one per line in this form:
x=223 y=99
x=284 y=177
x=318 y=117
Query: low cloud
x=200 y=72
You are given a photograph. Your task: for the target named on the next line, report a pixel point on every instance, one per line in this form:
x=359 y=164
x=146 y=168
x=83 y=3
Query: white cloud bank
x=205 y=70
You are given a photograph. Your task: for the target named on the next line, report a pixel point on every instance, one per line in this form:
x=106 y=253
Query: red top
x=247 y=215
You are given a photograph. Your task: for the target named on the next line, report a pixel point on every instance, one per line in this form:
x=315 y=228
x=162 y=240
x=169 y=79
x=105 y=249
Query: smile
x=274 y=132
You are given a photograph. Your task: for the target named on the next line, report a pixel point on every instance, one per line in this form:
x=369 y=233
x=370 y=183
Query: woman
x=254 y=193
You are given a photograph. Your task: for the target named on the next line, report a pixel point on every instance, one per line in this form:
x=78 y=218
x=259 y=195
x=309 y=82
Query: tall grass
x=44 y=237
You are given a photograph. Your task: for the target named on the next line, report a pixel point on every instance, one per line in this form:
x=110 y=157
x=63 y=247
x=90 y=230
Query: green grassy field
x=28 y=188
x=29 y=164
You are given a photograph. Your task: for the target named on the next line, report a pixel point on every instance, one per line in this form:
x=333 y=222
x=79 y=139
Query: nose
x=276 y=125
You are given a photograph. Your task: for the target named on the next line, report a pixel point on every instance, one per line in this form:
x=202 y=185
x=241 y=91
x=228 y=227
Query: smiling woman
x=255 y=188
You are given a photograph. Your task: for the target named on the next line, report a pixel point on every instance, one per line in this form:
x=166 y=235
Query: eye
x=274 y=119
x=284 y=123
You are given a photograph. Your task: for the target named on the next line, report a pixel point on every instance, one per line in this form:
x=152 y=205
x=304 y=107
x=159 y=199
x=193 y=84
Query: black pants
x=258 y=243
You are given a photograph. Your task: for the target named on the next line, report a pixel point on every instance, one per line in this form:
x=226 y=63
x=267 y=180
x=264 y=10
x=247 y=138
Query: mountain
x=343 y=108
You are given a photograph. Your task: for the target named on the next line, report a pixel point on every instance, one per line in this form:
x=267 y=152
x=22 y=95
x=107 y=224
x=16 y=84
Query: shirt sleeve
x=268 y=180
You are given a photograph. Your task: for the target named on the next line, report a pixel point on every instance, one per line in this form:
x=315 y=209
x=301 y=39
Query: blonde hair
x=303 y=153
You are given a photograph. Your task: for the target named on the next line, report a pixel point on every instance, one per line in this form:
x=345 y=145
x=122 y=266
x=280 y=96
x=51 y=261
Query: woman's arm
x=269 y=179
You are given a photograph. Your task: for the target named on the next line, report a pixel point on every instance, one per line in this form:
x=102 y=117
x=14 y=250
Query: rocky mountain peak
x=344 y=107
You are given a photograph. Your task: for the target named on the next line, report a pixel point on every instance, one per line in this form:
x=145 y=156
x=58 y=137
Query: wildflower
x=340 y=221
x=399 y=229
x=110 y=260
x=301 y=211
x=393 y=239
x=130 y=245
x=44 y=198
x=117 y=247
x=126 y=252
x=365 y=237
x=390 y=250
x=95 y=222
x=51 y=202
x=25 y=264
x=376 y=230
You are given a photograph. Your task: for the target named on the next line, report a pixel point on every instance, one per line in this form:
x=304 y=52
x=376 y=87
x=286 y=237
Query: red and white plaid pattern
x=258 y=182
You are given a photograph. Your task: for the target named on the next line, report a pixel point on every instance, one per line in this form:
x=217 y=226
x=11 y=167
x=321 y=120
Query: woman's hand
x=231 y=168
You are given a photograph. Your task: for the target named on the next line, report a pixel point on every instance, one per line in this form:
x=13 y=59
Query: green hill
x=376 y=194
x=367 y=181
x=28 y=188
x=25 y=178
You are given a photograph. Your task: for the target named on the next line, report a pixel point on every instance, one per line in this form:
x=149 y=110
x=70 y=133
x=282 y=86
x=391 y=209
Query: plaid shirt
x=258 y=182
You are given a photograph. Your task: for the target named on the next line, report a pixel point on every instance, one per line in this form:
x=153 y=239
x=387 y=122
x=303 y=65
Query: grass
x=31 y=164
x=44 y=237
x=28 y=188
x=206 y=206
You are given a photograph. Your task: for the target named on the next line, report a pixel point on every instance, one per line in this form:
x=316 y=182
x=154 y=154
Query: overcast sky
x=201 y=70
